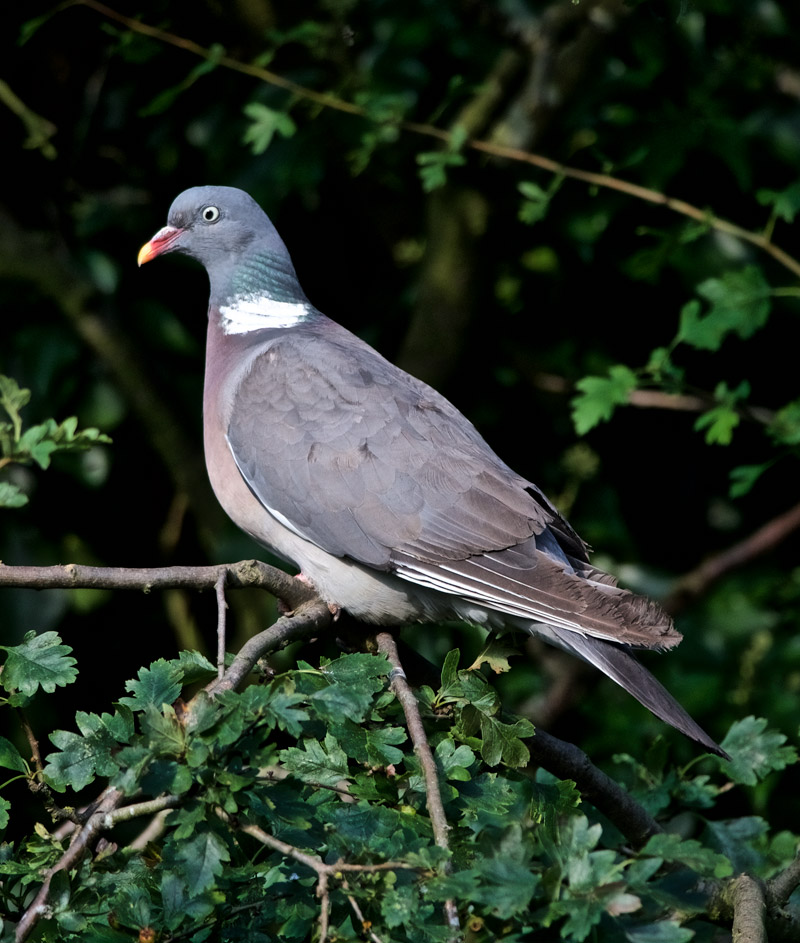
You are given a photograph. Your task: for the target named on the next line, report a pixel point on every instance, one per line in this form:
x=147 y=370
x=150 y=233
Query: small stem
x=402 y=690
x=222 y=605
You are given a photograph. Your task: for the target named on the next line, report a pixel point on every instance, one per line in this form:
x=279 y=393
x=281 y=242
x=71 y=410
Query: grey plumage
x=383 y=493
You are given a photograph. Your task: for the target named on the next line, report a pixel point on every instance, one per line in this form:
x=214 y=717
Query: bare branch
x=783 y=885
x=566 y=761
x=323 y=871
x=749 y=910
x=106 y=803
x=246 y=573
x=697 y=581
x=402 y=690
x=221 y=607
x=306 y=620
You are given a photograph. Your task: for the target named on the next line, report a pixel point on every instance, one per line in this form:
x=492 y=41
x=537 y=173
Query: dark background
x=699 y=100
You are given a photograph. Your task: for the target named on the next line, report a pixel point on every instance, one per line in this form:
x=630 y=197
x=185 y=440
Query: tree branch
x=402 y=690
x=566 y=761
x=783 y=885
x=323 y=871
x=106 y=803
x=697 y=581
x=704 y=216
x=749 y=910
x=246 y=573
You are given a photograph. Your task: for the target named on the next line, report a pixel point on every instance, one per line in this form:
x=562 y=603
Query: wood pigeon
x=378 y=488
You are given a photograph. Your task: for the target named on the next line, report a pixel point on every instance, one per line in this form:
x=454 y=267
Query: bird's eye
x=210 y=214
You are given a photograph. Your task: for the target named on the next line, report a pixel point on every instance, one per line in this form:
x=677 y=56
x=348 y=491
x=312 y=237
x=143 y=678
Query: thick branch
x=783 y=885
x=567 y=761
x=749 y=910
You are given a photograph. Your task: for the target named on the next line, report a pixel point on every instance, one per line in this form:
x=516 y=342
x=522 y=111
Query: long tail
x=621 y=666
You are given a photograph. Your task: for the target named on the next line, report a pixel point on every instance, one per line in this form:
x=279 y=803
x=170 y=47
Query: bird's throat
x=264 y=293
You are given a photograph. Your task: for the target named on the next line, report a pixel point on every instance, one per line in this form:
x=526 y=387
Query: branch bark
x=402 y=690
x=696 y=582
x=107 y=803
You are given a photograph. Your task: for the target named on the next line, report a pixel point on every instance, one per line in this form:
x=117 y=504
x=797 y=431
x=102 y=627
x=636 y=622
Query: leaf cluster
x=34 y=444
x=258 y=792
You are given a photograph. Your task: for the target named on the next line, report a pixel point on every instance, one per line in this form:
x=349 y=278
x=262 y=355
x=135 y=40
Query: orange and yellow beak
x=163 y=241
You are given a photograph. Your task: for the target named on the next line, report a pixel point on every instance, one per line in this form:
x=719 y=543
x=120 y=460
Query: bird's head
x=227 y=232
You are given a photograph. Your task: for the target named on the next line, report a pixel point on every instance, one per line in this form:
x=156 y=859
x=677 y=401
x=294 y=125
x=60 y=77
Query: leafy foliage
x=519 y=283
x=268 y=786
x=36 y=444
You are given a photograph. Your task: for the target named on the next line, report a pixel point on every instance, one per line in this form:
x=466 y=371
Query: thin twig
x=107 y=802
x=697 y=581
x=323 y=871
x=33 y=743
x=221 y=607
x=704 y=216
x=365 y=924
x=402 y=690
x=306 y=620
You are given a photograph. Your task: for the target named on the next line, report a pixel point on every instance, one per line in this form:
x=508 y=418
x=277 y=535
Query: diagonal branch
x=697 y=581
x=108 y=801
x=402 y=690
x=758 y=239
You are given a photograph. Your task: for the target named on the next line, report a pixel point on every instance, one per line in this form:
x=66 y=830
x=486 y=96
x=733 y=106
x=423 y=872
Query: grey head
x=225 y=230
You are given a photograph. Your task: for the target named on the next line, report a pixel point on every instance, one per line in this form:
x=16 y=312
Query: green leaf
x=157 y=685
x=433 y=167
x=368 y=672
x=40 y=661
x=75 y=765
x=323 y=764
x=784 y=427
x=12 y=399
x=166 y=735
x=11 y=496
x=720 y=421
x=755 y=751
x=670 y=847
x=203 y=857
x=719 y=424
x=665 y=931
x=496 y=656
x=369 y=744
x=10 y=757
x=502 y=743
x=535 y=203
x=744 y=477
x=600 y=396
x=741 y=840
x=265 y=123
x=739 y=304
x=92 y=752
x=785 y=203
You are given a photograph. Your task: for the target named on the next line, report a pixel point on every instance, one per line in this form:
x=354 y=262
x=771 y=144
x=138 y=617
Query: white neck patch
x=256 y=312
